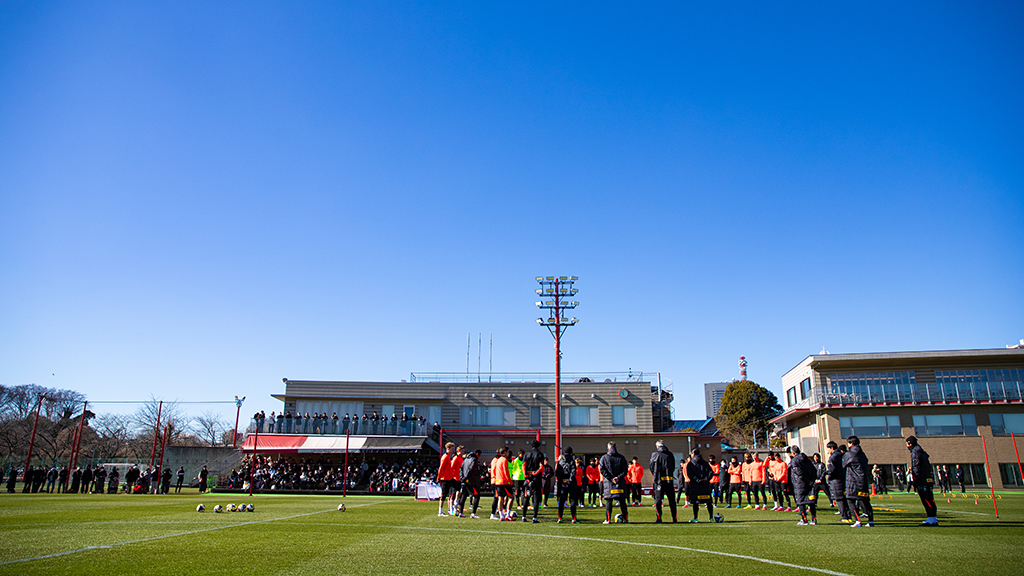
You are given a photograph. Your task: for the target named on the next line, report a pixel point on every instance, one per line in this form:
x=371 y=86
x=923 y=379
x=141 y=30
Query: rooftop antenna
x=479 y=345
x=468 y=334
x=490 y=359
x=823 y=351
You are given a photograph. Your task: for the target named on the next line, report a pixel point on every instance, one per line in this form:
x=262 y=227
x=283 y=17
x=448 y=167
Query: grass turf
x=117 y=534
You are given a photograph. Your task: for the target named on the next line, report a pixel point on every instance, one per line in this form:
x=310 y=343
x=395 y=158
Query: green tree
x=746 y=410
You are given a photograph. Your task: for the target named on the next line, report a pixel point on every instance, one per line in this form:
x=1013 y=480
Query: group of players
x=845 y=479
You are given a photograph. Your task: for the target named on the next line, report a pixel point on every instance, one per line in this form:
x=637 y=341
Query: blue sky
x=197 y=200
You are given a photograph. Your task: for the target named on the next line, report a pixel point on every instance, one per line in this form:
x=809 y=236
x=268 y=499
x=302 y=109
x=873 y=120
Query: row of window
x=571 y=416
x=967 y=376
x=930 y=425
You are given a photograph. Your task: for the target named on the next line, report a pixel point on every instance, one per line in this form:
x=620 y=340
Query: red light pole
x=557 y=288
x=31 y=443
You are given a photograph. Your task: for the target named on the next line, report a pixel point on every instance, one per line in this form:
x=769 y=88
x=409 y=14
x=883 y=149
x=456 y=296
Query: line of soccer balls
x=230 y=508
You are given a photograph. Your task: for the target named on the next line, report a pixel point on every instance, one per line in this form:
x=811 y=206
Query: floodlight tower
x=554 y=290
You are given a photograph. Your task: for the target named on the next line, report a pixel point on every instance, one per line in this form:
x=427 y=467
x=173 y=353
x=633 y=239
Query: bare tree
x=208 y=425
x=114 y=431
x=144 y=420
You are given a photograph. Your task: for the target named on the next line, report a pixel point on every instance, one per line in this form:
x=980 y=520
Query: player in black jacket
x=858 y=481
x=922 y=470
x=470 y=474
x=802 y=477
x=565 y=484
x=663 y=465
x=613 y=468
x=533 y=465
x=837 y=479
x=698 y=489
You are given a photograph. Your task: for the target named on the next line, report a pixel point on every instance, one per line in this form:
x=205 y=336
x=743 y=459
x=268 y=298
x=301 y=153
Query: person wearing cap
x=533 y=469
x=803 y=476
x=565 y=483
x=663 y=463
x=922 y=468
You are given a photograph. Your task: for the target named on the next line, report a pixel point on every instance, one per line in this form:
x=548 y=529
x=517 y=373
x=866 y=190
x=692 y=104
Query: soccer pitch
x=122 y=534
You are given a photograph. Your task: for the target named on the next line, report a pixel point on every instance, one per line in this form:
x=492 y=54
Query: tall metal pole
x=76 y=440
x=344 y=478
x=238 y=411
x=558 y=373
x=988 y=470
x=156 y=434
x=163 y=446
x=559 y=288
x=1019 y=467
x=32 y=441
x=252 y=469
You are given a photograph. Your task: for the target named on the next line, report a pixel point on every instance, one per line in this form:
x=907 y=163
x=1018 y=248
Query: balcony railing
x=1010 y=391
x=529 y=377
x=315 y=426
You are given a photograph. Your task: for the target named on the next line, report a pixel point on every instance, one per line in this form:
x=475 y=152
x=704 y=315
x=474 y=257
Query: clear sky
x=198 y=199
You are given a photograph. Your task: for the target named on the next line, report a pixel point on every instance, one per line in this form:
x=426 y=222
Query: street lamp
x=553 y=292
x=238 y=404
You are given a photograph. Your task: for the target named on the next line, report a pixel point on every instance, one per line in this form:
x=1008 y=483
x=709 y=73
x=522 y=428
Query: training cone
x=948 y=501
x=975 y=500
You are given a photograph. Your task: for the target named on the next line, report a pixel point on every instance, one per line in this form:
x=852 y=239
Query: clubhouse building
x=418 y=416
x=957 y=402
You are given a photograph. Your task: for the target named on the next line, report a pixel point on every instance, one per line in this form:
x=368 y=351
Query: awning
x=273 y=443
x=393 y=443
x=331 y=444
x=302 y=444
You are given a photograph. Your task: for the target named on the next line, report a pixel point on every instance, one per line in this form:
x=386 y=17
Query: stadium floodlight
x=556 y=323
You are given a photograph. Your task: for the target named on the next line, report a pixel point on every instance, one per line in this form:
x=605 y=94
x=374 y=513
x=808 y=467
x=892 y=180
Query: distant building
x=949 y=399
x=713 y=393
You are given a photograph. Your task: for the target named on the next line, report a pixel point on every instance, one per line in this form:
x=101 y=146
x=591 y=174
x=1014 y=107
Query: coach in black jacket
x=922 y=469
x=613 y=468
x=803 y=476
x=565 y=483
x=698 y=489
x=533 y=466
x=663 y=466
x=470 y=474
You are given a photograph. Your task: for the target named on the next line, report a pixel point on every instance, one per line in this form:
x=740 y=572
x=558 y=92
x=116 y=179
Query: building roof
x=926 y=357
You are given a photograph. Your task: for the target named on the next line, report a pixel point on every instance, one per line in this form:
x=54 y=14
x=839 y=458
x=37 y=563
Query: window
x=623 y=415
x=339 y=408
x=867 y=426
x=791 y=397
x=805 y=388
x=945 y=425
x=1011 y=474
x=579 y=416
x=535 y=417
x=487 y=416
x=871 y=387
x=1007 y=423
x=433 y=414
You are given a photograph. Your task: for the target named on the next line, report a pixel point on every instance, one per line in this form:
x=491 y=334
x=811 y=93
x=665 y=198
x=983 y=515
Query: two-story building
x=959 y=403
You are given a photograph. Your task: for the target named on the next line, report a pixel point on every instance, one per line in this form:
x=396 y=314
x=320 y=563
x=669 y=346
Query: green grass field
x=101 y=534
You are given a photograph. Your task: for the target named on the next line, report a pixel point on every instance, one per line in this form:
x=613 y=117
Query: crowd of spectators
x=322 y=423
x=398 y=474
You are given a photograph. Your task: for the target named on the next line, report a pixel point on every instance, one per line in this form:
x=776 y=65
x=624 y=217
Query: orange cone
x=948 y=501
x=975 y=499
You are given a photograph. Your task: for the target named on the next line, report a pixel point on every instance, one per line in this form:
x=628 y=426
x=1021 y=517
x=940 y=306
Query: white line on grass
x=683 y=548
x=211 y=529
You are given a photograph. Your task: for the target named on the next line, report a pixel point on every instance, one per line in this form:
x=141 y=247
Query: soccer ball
x=232 y=508
x=249 y=508
x=218 y=508
x=618 y=518
x=719 y=518
x=341 y=507
x=200 y=508
x=513 y=515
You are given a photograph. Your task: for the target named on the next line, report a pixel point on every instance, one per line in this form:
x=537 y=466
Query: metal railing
x=1010 y=391
x=529 y=377
x=329 y=426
